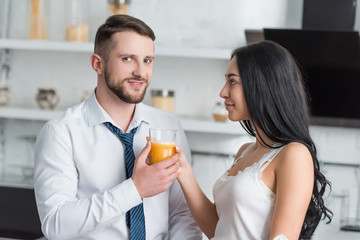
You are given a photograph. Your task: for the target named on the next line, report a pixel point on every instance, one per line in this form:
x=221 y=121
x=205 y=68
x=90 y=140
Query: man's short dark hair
x=118 y=23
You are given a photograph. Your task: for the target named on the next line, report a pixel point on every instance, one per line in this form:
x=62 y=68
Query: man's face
x=128 y=68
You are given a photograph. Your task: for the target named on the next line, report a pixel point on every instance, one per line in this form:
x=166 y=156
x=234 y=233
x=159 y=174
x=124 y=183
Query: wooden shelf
x=75 y=47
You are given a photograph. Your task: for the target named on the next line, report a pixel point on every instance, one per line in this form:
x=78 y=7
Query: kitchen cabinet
x=190 y=124
x=11 y=116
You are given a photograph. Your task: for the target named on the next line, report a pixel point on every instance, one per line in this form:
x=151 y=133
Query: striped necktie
x=135 y=219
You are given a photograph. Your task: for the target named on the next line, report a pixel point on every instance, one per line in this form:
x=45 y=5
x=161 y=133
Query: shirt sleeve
x=182 y=224
x=62 y=214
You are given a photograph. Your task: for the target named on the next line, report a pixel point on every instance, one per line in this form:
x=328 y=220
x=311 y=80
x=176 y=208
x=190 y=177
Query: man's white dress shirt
x=80 y=181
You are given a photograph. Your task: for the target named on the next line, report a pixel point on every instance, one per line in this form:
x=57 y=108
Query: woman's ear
x=97 y=63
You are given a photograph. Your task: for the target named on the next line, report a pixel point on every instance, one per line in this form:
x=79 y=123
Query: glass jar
x=5 y=95
x=118 y=6
x=37 y=21
x=47 y=98
x=163 y=99
x=219 y=112
x=77 y=27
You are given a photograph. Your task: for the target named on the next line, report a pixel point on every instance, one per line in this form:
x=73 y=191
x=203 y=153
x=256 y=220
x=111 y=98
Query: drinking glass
x=163 y=143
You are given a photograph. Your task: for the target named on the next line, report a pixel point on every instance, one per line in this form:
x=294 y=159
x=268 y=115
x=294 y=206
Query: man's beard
x=120 y=91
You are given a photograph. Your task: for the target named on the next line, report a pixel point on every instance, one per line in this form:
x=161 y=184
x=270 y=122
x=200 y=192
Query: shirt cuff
x=126 y=195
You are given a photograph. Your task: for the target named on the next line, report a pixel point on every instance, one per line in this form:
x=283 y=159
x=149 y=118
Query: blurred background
x=45 y=49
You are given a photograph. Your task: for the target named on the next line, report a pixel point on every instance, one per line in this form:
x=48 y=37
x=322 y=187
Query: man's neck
x=120 y=111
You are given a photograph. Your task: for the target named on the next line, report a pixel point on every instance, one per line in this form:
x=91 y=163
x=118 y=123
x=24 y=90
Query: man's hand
x=151 y=180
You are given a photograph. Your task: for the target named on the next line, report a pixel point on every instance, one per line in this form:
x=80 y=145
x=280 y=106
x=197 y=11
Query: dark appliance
x=19 y=217
x=329 y=14
x=330 y=63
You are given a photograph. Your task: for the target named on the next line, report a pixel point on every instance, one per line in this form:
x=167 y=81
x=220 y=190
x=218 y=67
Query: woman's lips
x=229 y=106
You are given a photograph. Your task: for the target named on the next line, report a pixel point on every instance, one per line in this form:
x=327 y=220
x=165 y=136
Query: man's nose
x=139 y=71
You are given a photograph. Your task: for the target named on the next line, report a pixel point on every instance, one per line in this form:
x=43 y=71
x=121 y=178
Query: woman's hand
x=202 y=209
x=184 y=166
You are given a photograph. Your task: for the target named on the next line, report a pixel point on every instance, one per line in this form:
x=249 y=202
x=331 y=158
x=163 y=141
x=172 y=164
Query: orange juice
x=160 y=151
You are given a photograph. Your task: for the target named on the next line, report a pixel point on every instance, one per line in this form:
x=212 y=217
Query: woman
x=274 y=189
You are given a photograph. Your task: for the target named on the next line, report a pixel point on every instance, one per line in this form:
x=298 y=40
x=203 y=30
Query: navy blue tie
x=135 y=219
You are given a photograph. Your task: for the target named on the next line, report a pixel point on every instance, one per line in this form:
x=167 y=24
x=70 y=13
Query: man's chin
x=129 y=95
x=132 y=99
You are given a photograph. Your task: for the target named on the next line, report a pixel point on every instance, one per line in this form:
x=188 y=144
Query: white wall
x=192 y=23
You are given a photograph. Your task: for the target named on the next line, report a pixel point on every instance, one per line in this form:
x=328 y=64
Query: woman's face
x=233 y=94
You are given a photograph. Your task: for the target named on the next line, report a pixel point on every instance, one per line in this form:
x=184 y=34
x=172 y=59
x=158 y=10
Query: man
x=83 y=186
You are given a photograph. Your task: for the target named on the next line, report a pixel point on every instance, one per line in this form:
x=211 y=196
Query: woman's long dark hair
x=277 y=104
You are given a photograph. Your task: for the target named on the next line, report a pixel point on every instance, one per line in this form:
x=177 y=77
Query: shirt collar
x=96 y=115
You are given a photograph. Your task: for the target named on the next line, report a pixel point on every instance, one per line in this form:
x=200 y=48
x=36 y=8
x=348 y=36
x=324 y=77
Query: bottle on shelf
x=219 y=112
x=37 y=21
x=5 y=94
x=119 y=6
x=163 y=99
x=4 y=18
x=77 y=27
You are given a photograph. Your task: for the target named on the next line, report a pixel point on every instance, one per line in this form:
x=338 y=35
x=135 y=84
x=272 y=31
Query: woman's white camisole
x=244 y=203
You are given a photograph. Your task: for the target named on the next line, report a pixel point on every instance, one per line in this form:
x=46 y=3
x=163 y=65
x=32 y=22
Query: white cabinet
x=18 y=117
x=190 y=124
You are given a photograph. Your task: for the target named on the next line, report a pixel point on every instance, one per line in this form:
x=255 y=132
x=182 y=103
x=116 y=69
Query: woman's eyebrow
x=231 y=75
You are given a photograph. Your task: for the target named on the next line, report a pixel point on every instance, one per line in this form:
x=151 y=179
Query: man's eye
x=127 y=59
x=147 y=61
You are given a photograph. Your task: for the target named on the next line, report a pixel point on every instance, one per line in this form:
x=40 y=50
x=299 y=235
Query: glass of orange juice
x=163 y=143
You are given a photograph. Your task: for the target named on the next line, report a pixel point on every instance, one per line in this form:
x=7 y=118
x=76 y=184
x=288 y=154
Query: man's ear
x=97 y=63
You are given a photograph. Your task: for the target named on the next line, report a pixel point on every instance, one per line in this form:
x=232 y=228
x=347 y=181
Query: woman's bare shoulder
x=295 y=156
x=296 y=149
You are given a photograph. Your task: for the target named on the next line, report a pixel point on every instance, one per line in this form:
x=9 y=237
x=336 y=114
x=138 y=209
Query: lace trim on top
x=264 y=164
x=242 y=154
